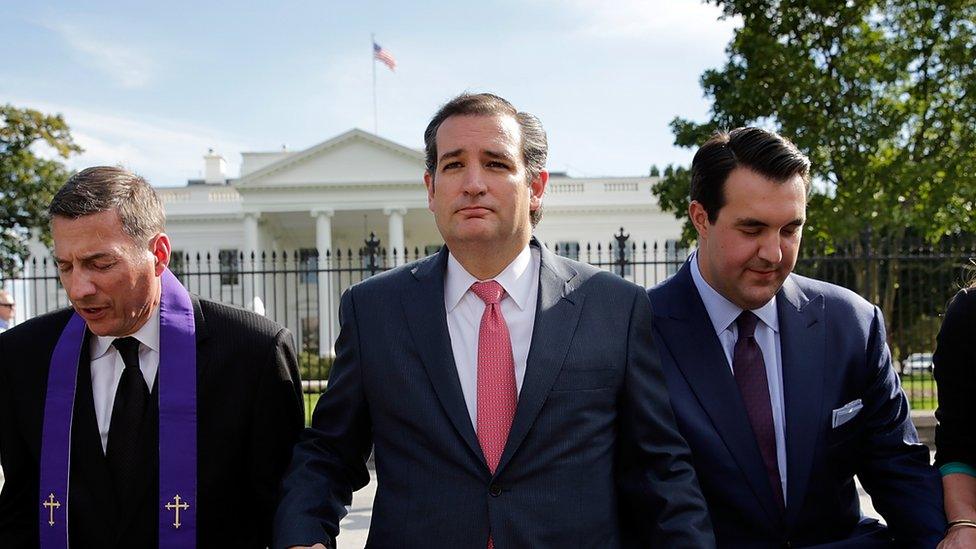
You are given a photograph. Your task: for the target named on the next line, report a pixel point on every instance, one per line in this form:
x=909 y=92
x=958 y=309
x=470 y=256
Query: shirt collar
x=723 y=312
x=148 y=335
x=516 y=279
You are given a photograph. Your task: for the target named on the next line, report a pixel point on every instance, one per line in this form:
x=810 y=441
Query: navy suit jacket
x=593 y=436
x=834 y=351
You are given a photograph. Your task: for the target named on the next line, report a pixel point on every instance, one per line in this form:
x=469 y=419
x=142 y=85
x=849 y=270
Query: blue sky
x=153 y=87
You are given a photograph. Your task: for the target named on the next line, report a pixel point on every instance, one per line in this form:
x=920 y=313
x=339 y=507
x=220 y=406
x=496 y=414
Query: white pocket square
x=846 y=413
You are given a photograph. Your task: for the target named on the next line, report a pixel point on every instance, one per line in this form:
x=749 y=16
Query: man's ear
x=699 y=218
x=161 y=249
x=537 y=187
x=429 y=183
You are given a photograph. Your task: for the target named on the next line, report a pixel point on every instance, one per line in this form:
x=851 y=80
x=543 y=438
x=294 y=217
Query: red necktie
x=497 y=396
x=750 y=375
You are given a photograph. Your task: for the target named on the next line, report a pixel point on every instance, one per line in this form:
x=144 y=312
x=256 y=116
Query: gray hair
x=535 y=146
x=103 y=188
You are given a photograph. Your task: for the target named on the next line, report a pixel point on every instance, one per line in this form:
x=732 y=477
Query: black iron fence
x=912 y=283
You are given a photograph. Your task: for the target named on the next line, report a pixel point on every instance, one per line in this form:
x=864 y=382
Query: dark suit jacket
x=833 y=352
x=593 y=425
x=249 y=414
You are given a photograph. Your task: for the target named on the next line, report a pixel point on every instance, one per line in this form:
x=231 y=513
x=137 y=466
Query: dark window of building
x=308 y=264
x=177 y=264
x=230 y=266
x=674 y=255
x=569 y=249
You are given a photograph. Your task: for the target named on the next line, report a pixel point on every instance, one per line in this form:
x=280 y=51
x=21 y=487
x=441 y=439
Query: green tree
x=28 y=180
x=881 y=94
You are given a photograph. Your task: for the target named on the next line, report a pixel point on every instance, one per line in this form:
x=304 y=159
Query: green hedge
x=313 y=366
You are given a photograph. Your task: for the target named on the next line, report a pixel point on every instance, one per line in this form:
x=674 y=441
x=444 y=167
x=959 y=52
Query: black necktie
x=750 y=375
x=131 y=399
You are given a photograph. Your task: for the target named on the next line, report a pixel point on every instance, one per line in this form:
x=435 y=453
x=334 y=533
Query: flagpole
x=372 y=47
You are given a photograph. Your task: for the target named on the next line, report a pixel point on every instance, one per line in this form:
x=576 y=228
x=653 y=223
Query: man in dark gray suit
x=514 y=398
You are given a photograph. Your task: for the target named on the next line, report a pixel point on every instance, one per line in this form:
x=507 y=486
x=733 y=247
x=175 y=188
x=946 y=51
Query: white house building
x=334 y=194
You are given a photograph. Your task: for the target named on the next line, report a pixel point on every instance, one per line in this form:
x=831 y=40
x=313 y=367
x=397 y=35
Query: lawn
x=921 y=390
x=310 y=400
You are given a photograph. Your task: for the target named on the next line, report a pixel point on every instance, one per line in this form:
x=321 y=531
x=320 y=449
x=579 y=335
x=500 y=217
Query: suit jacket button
x=495 y=490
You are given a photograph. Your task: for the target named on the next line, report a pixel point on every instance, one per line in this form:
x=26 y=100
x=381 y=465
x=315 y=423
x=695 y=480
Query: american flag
x=384 y=55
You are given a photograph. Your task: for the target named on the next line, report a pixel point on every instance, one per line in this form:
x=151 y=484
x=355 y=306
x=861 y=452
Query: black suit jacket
x=593 y=434
x=249 y=414
x=955 y=373
x=834 y=352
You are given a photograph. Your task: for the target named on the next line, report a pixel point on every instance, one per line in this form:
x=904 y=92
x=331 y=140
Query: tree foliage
x=881 y=94
x=28 y=180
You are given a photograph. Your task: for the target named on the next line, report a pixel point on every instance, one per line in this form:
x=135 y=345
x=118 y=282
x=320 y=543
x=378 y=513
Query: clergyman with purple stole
x=142 y=416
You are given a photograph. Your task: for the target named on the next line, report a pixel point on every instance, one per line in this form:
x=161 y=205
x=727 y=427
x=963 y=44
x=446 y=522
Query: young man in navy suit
x=513 y=398
x=781 y=384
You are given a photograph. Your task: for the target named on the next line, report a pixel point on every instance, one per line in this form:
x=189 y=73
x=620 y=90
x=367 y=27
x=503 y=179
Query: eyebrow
x=88 y=258
x=492 y=154
x=450 y=154
x=752 y=222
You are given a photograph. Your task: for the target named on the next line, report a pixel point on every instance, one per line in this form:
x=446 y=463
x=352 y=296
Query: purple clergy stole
x=177 y=424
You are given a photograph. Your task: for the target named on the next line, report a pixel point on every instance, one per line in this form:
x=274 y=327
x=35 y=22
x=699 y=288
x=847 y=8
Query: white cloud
x=678 y=19
x=166 y=152
x=121 y=62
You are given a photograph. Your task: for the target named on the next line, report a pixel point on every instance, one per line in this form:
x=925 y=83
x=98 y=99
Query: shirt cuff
x=957 y=467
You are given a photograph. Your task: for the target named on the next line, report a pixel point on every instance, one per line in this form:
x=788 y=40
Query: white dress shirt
x=107 y=366
x=464 y=310
x=723 y=314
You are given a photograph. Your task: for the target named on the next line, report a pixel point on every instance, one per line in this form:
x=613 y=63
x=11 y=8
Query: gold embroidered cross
x=51 y=505
x=177 y=506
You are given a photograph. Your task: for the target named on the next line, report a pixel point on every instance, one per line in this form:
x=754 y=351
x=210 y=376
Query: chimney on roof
x=214 y=169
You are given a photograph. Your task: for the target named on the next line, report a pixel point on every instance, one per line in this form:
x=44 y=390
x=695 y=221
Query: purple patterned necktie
x=750 y=375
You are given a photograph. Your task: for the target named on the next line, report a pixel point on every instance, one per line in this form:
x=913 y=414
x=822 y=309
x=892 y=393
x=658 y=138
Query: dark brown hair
x=762 y=151
x=535 y=146
x=103 y=188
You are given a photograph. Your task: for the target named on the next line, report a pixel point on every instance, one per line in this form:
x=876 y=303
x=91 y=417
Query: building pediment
x=354 y=157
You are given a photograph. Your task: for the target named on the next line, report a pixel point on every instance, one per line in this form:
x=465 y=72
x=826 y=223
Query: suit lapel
x=423 y=306
x=202 y=335
x=557 y=314
x=706 y=369
x=803 y=348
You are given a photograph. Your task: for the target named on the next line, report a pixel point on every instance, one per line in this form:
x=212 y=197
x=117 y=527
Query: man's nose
x=770 y=249
x=474 y=182
x=78 y=285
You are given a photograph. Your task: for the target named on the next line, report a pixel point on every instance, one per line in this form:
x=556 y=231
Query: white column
x=250 y=233
x=396 y=234
x=253 y=283
x=323 y=231
x=328 y=307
